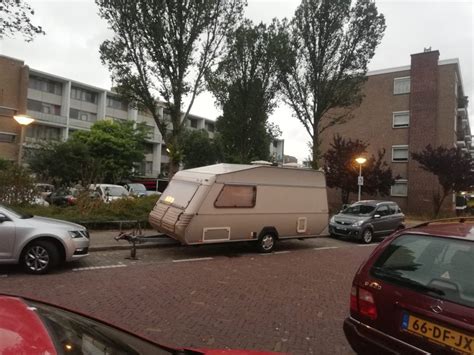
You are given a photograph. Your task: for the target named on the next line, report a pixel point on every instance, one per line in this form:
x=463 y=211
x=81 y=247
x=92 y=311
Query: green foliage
x=198 y=149
x=342 y=171
x=97 y=212
x=108 y=152
x=245 y=85
x=15 y=18
x=16 y=184
x=328 y=48
x=453 y=168
x=161 y=49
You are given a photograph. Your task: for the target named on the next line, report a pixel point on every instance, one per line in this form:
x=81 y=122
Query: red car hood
x=23 y=332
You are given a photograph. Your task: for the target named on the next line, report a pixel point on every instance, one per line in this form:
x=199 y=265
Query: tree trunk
x=345 y=196
x=438 y=201
x=315 y=153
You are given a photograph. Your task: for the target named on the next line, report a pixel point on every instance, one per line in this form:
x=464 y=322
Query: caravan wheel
x=266 y=243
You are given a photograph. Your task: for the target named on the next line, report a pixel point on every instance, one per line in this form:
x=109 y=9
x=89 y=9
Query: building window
x=401 y=119
x=82 y=115
x=400 y=188
x=83 y=95
x=210 y=127
x=148 y=148
x=115 y=103
x=399 y=153
x=41 y=132
x=46 y=85
x=236 y=196
x=7 y=137
x=43 y=107
x=193 y=123
x=401 y=85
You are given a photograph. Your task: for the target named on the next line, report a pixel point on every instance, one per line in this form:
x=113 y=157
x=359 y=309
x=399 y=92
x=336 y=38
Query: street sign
x=360 y=180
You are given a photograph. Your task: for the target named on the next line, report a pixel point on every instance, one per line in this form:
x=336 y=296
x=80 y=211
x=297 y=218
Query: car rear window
x=442 y=266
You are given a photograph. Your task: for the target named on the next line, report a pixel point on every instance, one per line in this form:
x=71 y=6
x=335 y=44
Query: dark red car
x=415 y=293
x=30 y=327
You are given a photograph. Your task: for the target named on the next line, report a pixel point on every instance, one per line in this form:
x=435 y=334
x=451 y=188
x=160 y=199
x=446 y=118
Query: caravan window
x=236 y=196
x=179 y=193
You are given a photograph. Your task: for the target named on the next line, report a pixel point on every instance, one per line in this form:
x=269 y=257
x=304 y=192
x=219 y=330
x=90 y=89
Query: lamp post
x=24 y=121
x=360 y=180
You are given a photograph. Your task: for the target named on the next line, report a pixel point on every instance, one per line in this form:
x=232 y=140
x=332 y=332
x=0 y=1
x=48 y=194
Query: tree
x=453 y=168
x=108 y=152
x=161 y=49
x=198 y=149
x=15 y=18
x=330 y=44
x=342 y=171
x=16 y=184
x=245 y=85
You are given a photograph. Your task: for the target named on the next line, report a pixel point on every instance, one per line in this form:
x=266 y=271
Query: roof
x=218 y=169
x=451 y=230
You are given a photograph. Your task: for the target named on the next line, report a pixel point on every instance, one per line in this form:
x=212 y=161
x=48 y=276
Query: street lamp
x=24 y=121
x=360 y=180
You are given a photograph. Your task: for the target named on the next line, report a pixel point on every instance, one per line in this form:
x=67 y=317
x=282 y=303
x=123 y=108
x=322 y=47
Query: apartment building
x=405 y=109
x=61 y=106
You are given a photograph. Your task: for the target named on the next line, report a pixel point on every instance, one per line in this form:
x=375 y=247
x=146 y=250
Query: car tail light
x=362 y=302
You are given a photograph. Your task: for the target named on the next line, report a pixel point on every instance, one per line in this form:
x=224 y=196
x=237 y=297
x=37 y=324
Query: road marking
x=282 y=252
x=326 y=248
x=367 y=245
x=193 y=259
x=98 y=267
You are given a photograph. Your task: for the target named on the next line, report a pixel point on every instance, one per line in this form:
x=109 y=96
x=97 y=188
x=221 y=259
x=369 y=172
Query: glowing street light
x=24 y=121
x=360 y=180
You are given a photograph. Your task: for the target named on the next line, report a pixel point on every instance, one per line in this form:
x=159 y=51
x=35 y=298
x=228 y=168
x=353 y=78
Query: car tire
x=266 y=242
x=367 y=236
x=39 y=257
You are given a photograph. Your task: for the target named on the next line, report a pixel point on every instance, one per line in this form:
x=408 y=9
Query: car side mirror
x=376 y=216
x=3 y=218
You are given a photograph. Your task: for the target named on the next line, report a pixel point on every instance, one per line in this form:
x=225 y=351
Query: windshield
x=115 y=191
x=16 y=214
x=430 y=264
x=359 y=209
x=75 y=334
x=137 y=187
x=179 y=193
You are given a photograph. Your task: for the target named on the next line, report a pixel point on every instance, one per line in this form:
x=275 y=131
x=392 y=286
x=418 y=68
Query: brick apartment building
x=404 y=110
x=61 y=106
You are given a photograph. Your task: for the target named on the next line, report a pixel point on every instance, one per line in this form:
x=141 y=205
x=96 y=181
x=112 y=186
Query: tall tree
x=342 y=170
x=245 y=85
x=15 y=18
x=198 y=149
x=453 y=168
x=330 y=44
x=161 y=50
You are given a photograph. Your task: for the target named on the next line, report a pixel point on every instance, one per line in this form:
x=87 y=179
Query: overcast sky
x=74 y=32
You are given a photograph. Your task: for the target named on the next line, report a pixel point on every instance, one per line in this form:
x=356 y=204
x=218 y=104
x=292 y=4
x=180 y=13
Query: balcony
x=46 y=117
x=73 y=123
x=463 y=101
x=461 y=143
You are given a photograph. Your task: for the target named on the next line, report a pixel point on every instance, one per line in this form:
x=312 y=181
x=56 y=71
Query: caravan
x=230 y=203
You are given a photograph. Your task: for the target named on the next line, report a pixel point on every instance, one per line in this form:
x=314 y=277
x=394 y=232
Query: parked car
x=63 y=197
x=415 y=293
x=139 y=190
x=109 y=192
x=365 y=220
x=44 y=190
x=39 y=243
x=31 y=327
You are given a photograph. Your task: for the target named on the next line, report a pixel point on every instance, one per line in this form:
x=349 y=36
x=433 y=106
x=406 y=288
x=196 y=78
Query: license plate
x=439 y=334
x=341 y=228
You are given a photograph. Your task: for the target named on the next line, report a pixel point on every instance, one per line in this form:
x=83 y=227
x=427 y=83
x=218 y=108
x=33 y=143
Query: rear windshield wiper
x=392 y=275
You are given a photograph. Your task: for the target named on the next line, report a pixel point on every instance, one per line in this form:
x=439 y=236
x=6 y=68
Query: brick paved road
x=292 y=301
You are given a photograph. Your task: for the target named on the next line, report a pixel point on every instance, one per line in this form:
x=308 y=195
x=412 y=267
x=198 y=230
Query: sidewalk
x=104 y=240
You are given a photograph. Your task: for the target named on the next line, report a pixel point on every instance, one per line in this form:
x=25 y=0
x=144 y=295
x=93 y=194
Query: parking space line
x=326 y=248
x=98 y=267
x=193 y=259
x=282 y=252
x=367 y=245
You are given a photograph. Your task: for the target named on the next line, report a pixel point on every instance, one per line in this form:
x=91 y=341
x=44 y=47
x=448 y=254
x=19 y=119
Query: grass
x=97 y=214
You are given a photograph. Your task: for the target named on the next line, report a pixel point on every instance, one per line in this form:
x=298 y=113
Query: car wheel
x=266 y=243
x=367 y=236
x=38 y=257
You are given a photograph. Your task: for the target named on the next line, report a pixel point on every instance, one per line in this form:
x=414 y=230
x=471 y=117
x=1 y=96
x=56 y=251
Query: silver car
x=365 y=220
x=39 y=243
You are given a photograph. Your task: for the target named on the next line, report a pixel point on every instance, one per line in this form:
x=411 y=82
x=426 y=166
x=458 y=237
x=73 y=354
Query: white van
x=230 y=203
